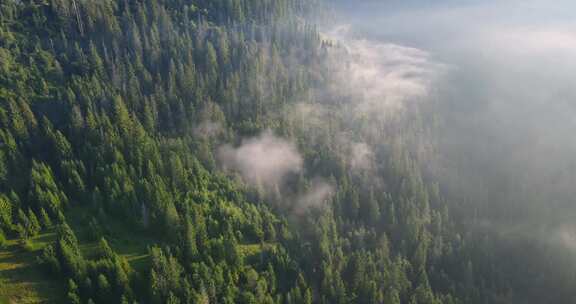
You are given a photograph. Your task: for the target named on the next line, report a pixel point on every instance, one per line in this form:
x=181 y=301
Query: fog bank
x=507 y=102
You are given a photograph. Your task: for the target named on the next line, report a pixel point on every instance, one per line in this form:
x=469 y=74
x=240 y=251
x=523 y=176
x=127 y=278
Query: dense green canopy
x=112 y=113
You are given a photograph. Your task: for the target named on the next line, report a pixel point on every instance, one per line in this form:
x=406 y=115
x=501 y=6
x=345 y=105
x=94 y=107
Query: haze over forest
x=506 y=101
x=287 y=151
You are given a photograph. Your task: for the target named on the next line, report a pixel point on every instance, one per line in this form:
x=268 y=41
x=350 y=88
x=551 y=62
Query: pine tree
x=45 y=219
x=34 y=224
x=73 y=297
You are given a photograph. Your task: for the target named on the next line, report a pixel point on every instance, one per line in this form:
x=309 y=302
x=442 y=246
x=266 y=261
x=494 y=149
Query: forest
x=217 y=151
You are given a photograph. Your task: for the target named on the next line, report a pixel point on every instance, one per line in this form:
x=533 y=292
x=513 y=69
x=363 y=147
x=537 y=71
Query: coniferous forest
x=203 y=151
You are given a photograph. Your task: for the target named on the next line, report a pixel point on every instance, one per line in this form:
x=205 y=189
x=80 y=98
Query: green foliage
x=6 y=208
x=3 y=240
x=116 y=109
x=45 y=219
x=44 y=192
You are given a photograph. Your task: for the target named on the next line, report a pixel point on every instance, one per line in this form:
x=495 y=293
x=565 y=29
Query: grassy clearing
x=131 y=244
x=135 y=250
x=21 y=280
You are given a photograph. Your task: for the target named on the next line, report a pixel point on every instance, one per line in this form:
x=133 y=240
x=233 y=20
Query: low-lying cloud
x=266 y=162
x=263 y=161
x=380 y=78
x=361 y=157
x=316 y=196
x=208 y=129
x=507 y=140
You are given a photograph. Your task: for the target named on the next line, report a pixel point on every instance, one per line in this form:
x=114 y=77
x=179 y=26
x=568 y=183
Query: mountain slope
x=195 y=151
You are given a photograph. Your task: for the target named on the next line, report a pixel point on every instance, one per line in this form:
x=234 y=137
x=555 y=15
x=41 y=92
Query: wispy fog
x=267 y=162
x=380 y=77
x=264 y=161
x=507 y=101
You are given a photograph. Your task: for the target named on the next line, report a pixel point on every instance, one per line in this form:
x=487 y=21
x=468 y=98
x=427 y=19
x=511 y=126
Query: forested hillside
x=124 y=129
